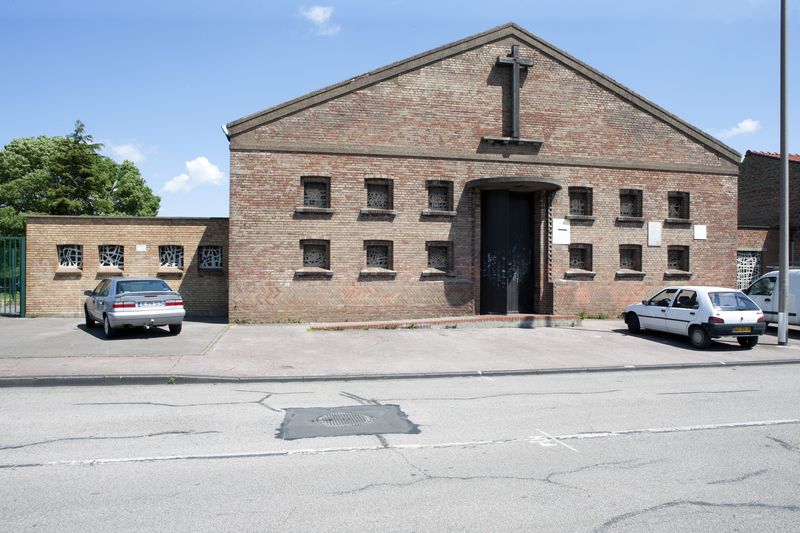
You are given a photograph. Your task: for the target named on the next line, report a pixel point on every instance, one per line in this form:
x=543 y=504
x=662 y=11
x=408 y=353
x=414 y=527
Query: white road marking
x=466 y=444
x=556 y=440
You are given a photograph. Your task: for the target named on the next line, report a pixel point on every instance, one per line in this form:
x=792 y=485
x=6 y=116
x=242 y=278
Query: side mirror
x=645 y=302
x=88 y=293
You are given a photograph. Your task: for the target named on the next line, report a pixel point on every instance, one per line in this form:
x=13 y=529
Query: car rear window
x=732 y=301
x=145 y=285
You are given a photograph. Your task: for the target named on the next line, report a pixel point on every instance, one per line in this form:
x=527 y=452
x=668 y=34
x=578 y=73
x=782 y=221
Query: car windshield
x=732 y=301
x=142 y=285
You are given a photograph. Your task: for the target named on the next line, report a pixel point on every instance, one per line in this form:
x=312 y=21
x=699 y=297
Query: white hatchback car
x=701 y=313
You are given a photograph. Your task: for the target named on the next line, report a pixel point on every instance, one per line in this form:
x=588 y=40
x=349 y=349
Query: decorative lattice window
x=316 y=191
x=112 y=255
x=379 y=254
x=439 y=255
x=316 y=254
x=379 y=194
x=630 y=203
x=678 y=258
x=678 y=205
x=630 y=257
x=209 y=257
x=580 y=256
x=580 y=201
x=440 y=195
x=70 y=256
x=748 y=268
x=171 y=256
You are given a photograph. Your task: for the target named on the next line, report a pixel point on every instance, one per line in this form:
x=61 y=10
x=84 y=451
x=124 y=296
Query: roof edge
x=510 y=29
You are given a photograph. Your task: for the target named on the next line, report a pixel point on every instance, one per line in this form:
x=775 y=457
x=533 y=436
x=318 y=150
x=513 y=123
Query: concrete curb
x=164 y=379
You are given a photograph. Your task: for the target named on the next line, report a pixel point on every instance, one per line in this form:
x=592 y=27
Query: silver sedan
x=133 y=302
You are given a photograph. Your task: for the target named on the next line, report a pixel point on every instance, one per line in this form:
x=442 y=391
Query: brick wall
x=55 y=291
x=760 y=192
x=428 y=124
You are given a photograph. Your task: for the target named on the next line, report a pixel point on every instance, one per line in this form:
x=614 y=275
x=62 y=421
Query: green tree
x=67 y=176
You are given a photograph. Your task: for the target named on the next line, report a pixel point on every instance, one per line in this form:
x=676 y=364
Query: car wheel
x=699 y=338
x=175 y=329
x=89 y=320
x=107 y=329
x=747 y=342
x=633 y=323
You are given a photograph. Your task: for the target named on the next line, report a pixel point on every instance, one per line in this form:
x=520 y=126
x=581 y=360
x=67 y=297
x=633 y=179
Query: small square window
x=316 y=254
x=171 y=256
x=70 y=256
x=112 y=256
x=379 y=254
x=440 y=255
x=316 y=191
x=580 y=256
x=440 y=195
x=630 y=257
x=678 y=258
x=379 y=194
x=580 y=201
x=630 y=203
x=678 y=205
x=209 y=258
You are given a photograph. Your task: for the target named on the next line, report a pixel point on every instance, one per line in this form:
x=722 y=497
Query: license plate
x=742 y=330
x=150 y=304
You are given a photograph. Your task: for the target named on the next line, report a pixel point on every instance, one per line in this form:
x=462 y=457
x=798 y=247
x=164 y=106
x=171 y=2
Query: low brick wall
x=53 y=290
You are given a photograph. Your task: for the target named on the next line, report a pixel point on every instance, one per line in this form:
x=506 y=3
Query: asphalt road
x=674 y=450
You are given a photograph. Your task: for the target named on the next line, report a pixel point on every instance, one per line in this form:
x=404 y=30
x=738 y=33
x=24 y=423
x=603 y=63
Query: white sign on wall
x=560 y=231
x=141 y=247
x=654 y=233
x=700 y=232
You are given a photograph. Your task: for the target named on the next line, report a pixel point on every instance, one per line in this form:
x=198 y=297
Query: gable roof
x=331 y=92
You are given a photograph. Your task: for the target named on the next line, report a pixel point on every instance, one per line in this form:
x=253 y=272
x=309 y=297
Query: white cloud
x=130 y=152
x=320 y=17
x=198 y=172
x=748 y=125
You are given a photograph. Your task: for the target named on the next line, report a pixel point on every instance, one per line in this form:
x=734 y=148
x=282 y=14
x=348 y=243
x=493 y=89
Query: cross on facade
x=516 y=63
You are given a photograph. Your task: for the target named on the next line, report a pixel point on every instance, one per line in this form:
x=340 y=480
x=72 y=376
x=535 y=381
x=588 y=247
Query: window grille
x=440 y=196
x=630 y=257
x=112 y=255
x=315 y=255
x=439 y=257
x=378 y=256
x=678 y=258
x=316 y=191
x=580 y=201
x=70 y=256
x=379 y=195
x=580 y=256
x=171 y=256
x=210 y=258
x=748 y=268
x=678 y=205
x=630 y=203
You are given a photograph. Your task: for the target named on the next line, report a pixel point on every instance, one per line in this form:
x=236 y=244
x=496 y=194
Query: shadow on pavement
x=127 y=333
x=679 y=341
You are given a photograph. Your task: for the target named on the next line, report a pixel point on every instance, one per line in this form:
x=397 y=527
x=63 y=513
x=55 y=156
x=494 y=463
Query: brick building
x=68 y=255
x=496 y=174
x=759 y=214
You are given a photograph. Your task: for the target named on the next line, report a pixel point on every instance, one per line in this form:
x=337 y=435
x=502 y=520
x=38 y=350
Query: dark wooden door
x=507 y=250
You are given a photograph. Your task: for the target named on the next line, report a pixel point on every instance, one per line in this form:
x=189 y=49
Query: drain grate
x=343 y=419
x=311 y=422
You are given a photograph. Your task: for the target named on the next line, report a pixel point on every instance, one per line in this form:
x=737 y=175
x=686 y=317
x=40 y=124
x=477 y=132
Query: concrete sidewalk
x=217 y=352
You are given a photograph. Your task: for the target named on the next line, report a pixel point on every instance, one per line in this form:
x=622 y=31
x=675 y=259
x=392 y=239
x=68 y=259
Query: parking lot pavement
x=63 y=348
x=69 y=337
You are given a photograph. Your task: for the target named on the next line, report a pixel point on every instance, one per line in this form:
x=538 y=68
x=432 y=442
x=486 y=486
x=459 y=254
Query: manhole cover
x=311 y=422
x=341 y=419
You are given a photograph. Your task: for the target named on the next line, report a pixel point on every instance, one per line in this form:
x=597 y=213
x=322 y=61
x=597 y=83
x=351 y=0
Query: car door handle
x=767 y=299
x=663 y=310
x=692 y=313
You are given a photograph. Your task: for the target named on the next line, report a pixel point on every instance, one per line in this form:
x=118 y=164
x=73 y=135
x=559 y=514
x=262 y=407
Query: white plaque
x=560 y=231
x=700 y=232
x=141 y=247
x=654 y=233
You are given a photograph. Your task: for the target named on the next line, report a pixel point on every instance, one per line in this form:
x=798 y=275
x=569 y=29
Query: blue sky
x=155 y=79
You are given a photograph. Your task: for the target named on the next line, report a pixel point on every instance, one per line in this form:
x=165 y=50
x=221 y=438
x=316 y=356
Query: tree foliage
x=67 y=176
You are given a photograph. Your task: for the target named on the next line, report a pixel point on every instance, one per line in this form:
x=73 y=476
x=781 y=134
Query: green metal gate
x=12 y=276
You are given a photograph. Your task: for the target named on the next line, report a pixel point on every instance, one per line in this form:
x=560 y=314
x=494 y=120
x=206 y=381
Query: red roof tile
x=794 y=158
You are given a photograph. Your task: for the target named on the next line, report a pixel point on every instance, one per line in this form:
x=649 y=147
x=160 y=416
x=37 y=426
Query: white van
x=764 y=292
